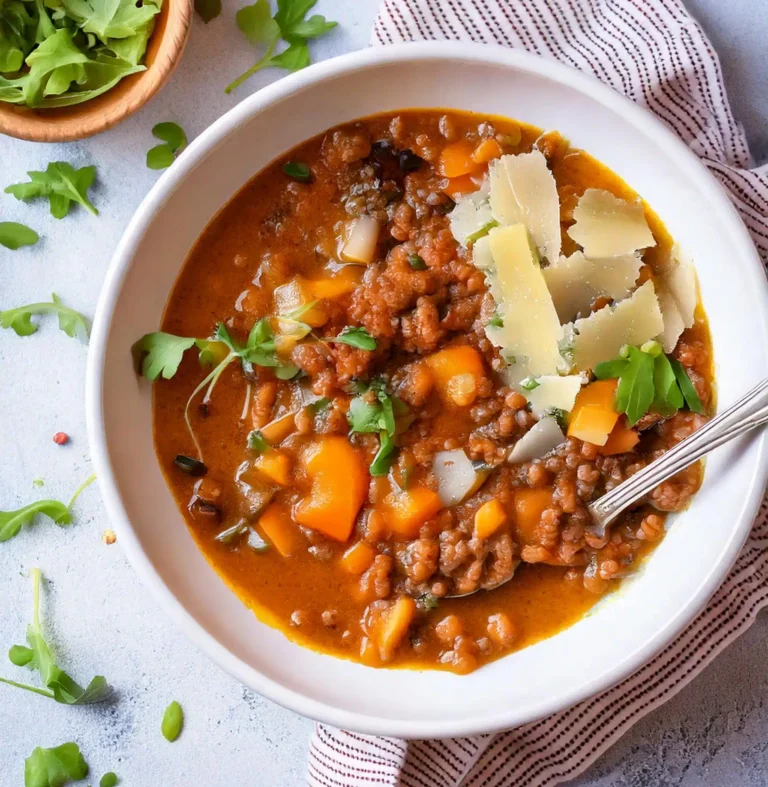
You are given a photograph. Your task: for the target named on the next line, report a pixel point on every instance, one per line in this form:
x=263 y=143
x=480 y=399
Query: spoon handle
x=747 y=413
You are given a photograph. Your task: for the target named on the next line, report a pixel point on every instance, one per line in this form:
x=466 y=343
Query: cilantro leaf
x=257 y=442
x=356 y=337
x=54 y=767
x=174 y=139
x=373 y=410
x=14 y=235
x=289 y=24
x=61 y=183
x=19 y=319
x=208 y=9
x=160 y=354
x=385 y=456
x=38 y=657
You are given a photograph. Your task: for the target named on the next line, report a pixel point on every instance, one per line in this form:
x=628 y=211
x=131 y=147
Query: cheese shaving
x=523 y=191
x=553 y=393
x=471 y=213
x=673 y=320
x=680 y=280
x=600 y=336
x=606 y=226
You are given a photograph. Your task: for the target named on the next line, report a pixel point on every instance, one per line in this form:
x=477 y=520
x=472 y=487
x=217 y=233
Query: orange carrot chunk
x=620 y=441
x=280 y=530
x=456 y=159
x=275 y=465
x=339 y=485
x=593 y=416
x=452 y=362
x=394 y=626
x=464 y=184
x=529 y=506
x=486 y=151
x=409 y=510
x=358 y=558
x=489 y=518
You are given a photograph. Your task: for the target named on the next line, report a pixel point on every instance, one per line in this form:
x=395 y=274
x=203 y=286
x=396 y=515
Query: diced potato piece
x=362 y=239
x=487 y=150
x=408 y=510
x=358 y=558
x=593 y=416
x=451 y=362
x=276 y=431
x=620 y=440
x=529 y=506
x=462 y=388
x=339 y=486
x=276 y=465
x=489 y=518
x=456 y=159
x=295 y=294
x=280 y=530
x=394 y=625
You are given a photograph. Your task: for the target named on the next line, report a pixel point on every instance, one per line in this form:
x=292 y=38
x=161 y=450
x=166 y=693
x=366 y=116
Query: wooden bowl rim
x=125 y=98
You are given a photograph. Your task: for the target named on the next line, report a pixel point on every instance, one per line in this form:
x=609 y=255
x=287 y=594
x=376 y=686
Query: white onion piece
x=361 y=241
x=537 y=442
x=456 y=476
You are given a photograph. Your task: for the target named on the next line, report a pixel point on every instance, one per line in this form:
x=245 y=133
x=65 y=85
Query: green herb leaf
x=11 y=522
x=54 y=767
x=416 y=261
x=497 y=321
x=530 y=383
x=208 y=9
x=429 y=601
x=174 y=139
x=356 y=337
x=173 y=720
x=288 y=24
x=109 y=779
x=61 y=183
x=286 y=372
x=560 y=416
x=686 y=386
x=20 y=655
x=482 y=232
x=635 y=391
x=110 y=18
x=58 y=685
x=610 y=370
x=159 y=354
x=385 y=456
x=297 y=171
x=19 y=319
x=374 y=410
x=257 y=442
x=668 y=398
x=14 y=235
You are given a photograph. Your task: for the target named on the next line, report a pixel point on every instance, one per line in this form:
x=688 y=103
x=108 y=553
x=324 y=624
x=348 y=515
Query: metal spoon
x=747 y=413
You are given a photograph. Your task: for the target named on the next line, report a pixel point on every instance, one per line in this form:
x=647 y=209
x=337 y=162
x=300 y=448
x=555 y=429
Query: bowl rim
x=645 y=122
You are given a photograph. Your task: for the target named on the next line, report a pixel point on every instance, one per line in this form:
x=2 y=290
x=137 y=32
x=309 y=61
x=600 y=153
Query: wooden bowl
x=83 y=120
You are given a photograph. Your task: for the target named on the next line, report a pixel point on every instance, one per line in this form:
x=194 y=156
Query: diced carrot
x=339 y=486
x=452 y=361
x=489 y=518
x=620 y=441
x=358 y=558
x=408 y=510
x=486 y=151
x=280 y=530
x=456 y=159
x=369 y=653
x=335 y=286
x=593 y=415
x=275 y=465
x=464 y=184
x=529 y=506
x=393 y=626
x=276 y=431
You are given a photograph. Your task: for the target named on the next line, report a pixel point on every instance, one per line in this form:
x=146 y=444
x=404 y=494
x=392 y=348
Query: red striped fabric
x=655 y=53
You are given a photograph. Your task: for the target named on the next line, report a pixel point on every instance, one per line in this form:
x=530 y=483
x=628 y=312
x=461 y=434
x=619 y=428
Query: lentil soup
x=423 y=343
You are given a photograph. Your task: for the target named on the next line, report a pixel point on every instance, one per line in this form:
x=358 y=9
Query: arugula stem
x=88 y=481
x=44 y=692
x=211 y=378
x=263 y=62
x=36 y=575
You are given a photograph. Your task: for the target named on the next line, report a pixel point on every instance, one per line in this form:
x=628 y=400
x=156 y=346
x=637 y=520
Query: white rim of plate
x=490 y=54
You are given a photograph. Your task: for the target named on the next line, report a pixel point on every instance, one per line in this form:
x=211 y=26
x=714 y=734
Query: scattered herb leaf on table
x=173 y=720
x=289 y=24
x=54 y=767
x=19 y=319
x=14 y=235
x=61 y=183
x=174 y=141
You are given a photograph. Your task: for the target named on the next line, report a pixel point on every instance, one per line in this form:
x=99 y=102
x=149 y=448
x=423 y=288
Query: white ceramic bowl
x=629 y=627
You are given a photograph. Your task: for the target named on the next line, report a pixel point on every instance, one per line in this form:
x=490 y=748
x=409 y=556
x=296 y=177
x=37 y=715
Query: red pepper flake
x=61 y=438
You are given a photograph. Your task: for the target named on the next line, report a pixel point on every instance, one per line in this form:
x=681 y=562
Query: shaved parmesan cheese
x=600 y=336
x=680 y=280
x=523 y=191
x=574 y=282
x=606 y=226
x=553 y=393
x=538 y=441
x=530 y=331
x=673 y=321
x=471 y=214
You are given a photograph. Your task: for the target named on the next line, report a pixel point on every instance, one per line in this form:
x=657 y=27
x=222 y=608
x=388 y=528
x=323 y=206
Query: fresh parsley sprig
x=374 y=410
x=61 y=184
x=649 y=380
x=289 y=24
x=19 y=319
x=37 y=656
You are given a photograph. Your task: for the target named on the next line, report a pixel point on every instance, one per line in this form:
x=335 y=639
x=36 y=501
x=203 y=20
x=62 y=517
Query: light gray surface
x=100 y=617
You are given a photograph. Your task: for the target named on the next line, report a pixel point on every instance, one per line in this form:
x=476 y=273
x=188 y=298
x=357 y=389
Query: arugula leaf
x=610 y=370
x=635 y=391
x=13 y=235
x=174 y=139
x=19 y=319
x=61 y=183
x=54 y=767
x=385 y=456
x=356 y=336
x=11 y=522
x=109 y=779
x=686 y=387
x=57 y=61
x=173 y=721
x=38 y=657
x=289 y=24
x=208 y=9
x=668 y=398
x=110 y=18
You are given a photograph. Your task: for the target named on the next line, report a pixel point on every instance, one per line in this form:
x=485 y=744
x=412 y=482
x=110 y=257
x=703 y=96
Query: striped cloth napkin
x=655 y=53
